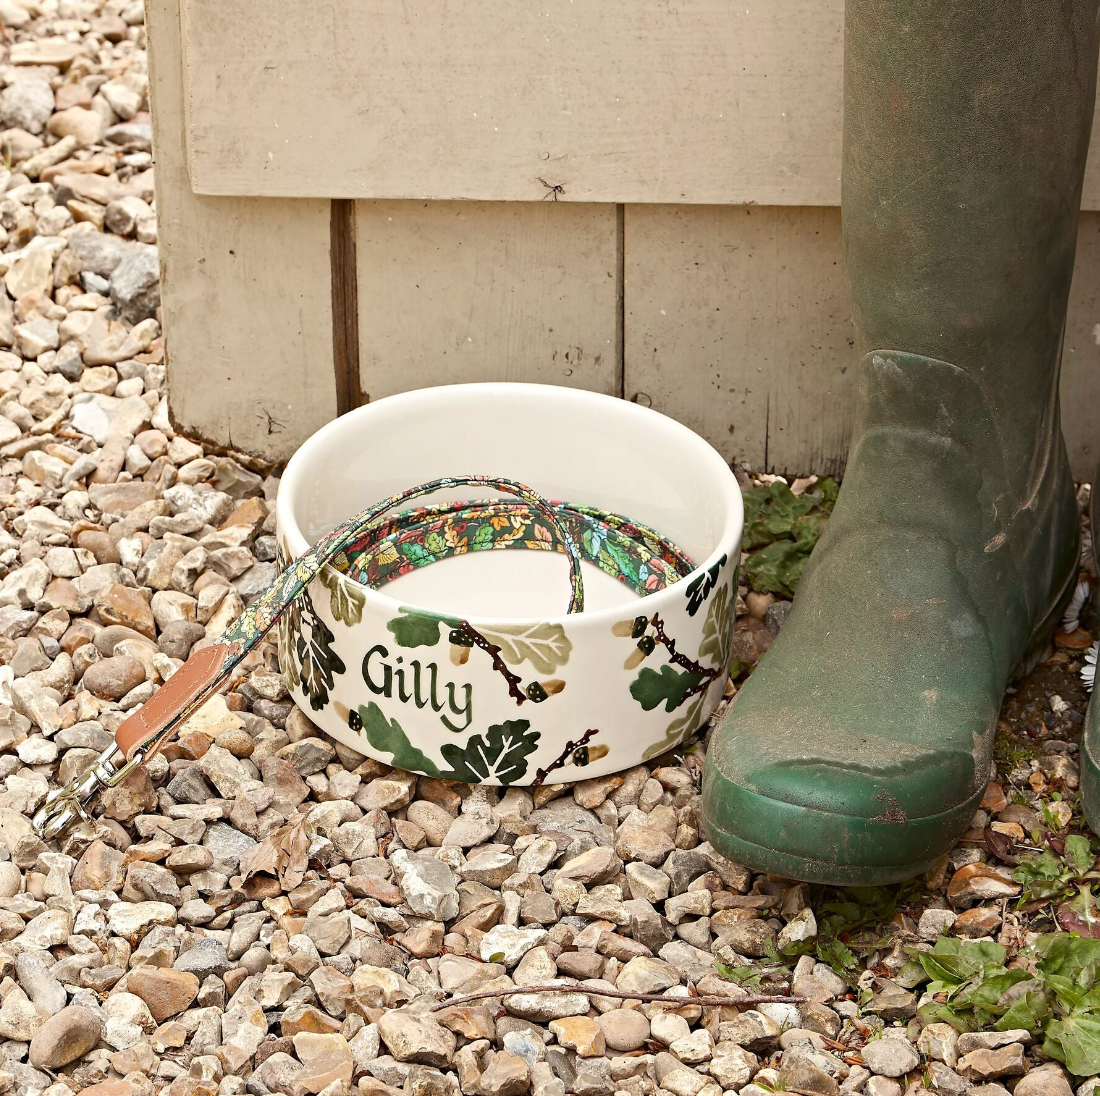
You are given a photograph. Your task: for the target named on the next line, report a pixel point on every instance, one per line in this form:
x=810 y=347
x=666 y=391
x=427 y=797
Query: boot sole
x=829 y=872
x=940 y=827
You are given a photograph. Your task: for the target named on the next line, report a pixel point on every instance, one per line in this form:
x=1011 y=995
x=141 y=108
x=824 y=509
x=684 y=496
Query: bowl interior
x=565 y=443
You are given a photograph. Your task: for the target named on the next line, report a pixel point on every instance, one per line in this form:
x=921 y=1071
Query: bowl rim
x=729 y=540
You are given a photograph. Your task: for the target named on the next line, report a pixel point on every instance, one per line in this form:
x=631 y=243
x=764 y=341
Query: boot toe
x=828 y=815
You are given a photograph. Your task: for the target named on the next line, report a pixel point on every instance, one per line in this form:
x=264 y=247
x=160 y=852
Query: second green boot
x=1090 y=742
x=860 y=748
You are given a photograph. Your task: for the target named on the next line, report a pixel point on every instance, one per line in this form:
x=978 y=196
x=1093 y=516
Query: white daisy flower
x=1088 y=671
x=1072 y=619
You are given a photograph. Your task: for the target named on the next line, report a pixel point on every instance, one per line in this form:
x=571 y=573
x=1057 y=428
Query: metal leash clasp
x=64 y=807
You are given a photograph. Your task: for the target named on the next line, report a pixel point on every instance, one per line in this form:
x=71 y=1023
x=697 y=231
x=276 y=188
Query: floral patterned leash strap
x=142 y=734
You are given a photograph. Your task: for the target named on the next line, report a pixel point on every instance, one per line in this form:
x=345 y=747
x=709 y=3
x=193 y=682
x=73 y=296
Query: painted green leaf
x=667 y=687
x=500 y=755
x=544 y=645
x=318 y=661
x=435 y=544
x=717 y=628
x=386 y=736
x=346 y=600
x=413 y=628
x=289 y=624
x=623 y=562
x=681 y=728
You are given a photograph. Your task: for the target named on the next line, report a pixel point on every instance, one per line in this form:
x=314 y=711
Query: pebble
x=985 y=1065
x=624 y=1029
x=413 y=1038
x=65 y=1037
x=891 y=1057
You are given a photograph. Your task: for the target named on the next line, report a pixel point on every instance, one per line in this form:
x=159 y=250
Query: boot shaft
x=966 y=132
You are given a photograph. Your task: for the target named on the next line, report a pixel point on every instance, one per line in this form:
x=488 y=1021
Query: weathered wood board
x=693 y=101
x=737 y=322
x=1081 y=355
x=246 y=291
x=461 y=291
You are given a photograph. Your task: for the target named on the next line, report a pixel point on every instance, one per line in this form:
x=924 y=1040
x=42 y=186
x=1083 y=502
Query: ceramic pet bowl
x=471 y=668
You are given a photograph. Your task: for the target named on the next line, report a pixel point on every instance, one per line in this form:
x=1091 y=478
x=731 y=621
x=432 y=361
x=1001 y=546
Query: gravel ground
x=262 y=910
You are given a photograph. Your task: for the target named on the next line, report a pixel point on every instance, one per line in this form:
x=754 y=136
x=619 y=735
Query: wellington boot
x=860 y=748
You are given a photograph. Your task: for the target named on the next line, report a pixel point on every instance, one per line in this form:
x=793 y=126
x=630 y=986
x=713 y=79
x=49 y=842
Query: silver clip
x=64 y=807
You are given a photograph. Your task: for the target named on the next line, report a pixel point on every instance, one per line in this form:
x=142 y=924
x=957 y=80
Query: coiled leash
x=372 y=548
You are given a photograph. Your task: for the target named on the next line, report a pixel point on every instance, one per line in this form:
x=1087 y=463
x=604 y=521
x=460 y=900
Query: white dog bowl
x=548 y=695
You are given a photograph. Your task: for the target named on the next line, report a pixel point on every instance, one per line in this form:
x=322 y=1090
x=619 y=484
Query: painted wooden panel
x=690 y=101
x=616 y=100
x=452 y=292
x=737 y=323
x=246 y=291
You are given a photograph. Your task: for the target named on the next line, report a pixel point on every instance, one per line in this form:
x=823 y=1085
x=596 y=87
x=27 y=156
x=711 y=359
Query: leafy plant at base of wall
x=844 y=917
x=839 y=919
x=500 y=754
x=1066 y=880
x=781 y=529
x=1059 y=1001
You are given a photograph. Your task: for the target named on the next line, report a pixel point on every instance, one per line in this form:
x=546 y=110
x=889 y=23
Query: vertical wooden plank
x=473 y=291
x=345 y=305
x=1081 y=357
x=245 y=289
x=737 y=323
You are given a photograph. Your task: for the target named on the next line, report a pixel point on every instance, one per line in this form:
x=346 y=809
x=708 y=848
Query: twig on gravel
x=620 y=995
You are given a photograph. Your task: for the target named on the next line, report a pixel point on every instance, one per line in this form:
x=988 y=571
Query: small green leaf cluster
x=840 y=919
x=781 y=529
x=1066 y=879
x=1052 y=989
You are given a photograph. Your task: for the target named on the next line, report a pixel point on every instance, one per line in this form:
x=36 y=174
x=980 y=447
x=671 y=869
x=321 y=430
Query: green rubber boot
x=860 y=748
x=1090 y=742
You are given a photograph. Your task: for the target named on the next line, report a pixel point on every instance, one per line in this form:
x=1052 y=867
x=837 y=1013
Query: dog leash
x=364 y=548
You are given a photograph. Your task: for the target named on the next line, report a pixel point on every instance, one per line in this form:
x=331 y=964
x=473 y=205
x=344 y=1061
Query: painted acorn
x=640 y=653
x=538 y=691
x=633 y=628
x=461 y=643
x=585 y=755
x=355 y=720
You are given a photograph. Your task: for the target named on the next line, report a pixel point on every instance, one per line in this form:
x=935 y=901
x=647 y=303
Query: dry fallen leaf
x=283 y=854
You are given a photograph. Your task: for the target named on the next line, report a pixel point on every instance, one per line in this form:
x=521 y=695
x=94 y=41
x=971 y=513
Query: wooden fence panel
x=694 y=101
x=246 y=291
x=459 y=291
x=737 y=323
